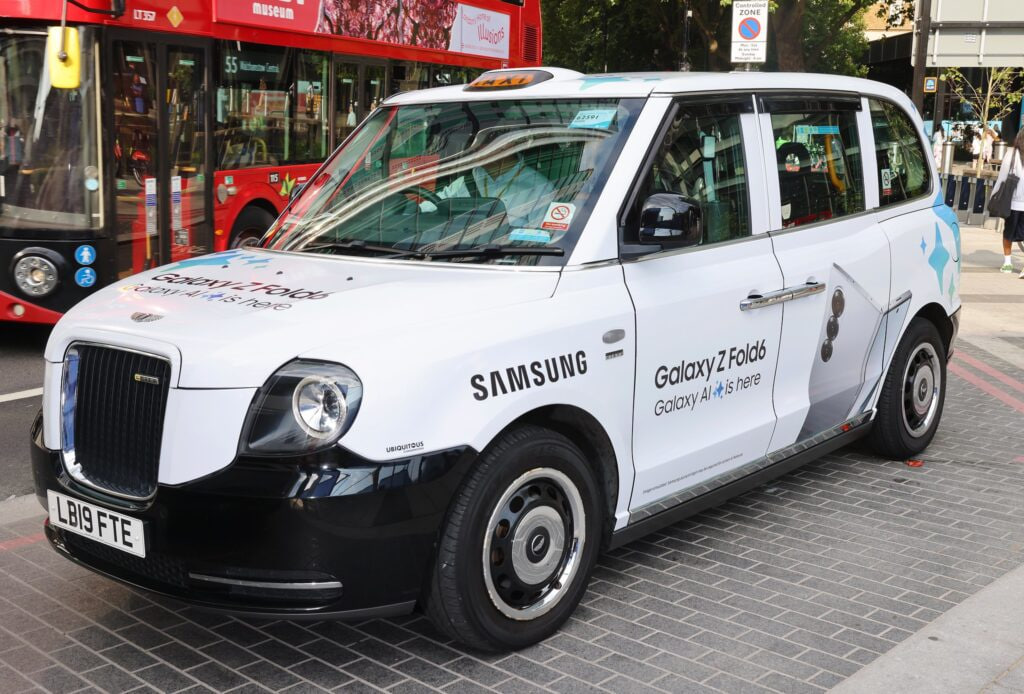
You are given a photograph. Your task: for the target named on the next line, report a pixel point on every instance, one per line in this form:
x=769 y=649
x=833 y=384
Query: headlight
x=35 y=275
x=305 y=406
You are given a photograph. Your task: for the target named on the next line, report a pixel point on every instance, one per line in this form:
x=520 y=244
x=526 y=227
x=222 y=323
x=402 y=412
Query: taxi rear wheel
x=519 y=544
x=913 y=394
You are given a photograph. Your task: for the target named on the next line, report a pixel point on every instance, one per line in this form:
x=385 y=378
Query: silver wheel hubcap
x=922 y=385
x=533 y=543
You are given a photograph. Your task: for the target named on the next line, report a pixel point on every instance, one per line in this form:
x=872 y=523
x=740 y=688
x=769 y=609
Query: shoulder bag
x=1001 y=203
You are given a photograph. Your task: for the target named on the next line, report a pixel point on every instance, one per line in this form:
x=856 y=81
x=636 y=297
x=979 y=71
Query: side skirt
x=644 y=526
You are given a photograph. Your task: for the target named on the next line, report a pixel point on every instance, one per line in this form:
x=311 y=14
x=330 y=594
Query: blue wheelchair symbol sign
x=84 y=255
x=85 y=277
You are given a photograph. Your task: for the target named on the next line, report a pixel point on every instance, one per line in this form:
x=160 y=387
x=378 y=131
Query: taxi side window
x=701 y=158
x=902 y=164
x=819 y=163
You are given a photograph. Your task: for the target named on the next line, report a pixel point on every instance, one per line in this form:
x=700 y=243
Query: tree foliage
x=992 y=99
x=803 y=35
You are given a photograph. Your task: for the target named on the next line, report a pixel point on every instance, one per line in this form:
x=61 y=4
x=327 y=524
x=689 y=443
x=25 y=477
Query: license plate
x=97 y=523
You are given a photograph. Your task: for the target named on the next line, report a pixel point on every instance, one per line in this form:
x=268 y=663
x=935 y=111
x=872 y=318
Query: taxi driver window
x=701 y=158
x=819 y=165
x=436 y=180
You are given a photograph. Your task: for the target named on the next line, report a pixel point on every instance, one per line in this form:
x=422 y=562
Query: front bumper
x=276 y=537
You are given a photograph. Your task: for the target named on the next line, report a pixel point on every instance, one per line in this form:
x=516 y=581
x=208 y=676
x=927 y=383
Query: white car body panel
x=441 y=348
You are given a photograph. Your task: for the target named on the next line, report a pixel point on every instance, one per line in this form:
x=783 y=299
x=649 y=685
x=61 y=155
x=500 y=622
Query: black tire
x=250 y=226
x=464 y=592
x=900 y=431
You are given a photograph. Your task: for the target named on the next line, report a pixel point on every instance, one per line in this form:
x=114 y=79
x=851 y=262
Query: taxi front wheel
x=519 y=544
x=914 y=390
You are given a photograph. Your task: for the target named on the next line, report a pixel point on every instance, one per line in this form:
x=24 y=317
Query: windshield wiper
x=360 y=246
x=495 y=250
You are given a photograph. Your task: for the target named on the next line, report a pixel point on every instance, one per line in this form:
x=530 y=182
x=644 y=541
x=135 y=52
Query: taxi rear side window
x=817 y=152
x=902 y=165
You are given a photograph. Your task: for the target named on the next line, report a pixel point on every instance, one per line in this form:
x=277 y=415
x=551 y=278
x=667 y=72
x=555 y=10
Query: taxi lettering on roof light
x=508 y=80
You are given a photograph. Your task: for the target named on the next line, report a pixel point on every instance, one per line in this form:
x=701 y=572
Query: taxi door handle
x=777 y=297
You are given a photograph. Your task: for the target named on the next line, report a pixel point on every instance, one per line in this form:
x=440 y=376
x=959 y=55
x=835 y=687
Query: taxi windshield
x=498 y=181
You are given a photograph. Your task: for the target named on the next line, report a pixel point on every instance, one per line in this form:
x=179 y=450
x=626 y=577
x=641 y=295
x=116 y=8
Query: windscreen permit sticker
x=594 y=118
x=558 y=217
x=887 y=176
x=532 y=235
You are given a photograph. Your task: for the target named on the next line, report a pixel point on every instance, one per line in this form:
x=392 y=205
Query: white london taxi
x=504 y=327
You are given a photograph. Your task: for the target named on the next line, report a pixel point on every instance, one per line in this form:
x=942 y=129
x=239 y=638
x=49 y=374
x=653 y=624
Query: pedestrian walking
x=937 y=141
x=987 y=143
x=1013 y=229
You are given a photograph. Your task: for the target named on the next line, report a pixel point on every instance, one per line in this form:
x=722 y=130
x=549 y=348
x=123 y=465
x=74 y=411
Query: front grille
x=118 y=418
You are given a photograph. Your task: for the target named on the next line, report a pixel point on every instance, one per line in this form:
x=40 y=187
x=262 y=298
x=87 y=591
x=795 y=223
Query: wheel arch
x=256 y=203
x=937 y=316
x=584 y=430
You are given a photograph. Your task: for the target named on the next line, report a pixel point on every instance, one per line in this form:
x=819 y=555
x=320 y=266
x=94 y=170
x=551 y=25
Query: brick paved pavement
x=790 y=588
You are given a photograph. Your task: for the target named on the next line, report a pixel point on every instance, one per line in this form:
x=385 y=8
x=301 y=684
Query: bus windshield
x=49 y=174
x=498 y=181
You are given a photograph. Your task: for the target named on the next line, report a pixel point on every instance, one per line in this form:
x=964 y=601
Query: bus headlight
x=35 y=275
x=305 y=406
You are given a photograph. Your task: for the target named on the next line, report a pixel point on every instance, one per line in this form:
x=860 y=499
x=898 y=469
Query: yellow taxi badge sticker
x=508 y=79
x=287 y=184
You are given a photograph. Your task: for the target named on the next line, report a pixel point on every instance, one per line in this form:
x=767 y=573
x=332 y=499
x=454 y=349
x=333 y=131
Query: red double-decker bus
x=183 y=129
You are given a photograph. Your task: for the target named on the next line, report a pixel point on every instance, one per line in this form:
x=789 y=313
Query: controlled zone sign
x=749 y=31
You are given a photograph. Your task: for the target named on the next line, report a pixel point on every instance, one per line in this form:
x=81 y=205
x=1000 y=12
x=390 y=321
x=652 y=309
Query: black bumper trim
x=262 y=524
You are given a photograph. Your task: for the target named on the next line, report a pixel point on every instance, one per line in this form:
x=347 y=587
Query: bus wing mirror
x=64 y=55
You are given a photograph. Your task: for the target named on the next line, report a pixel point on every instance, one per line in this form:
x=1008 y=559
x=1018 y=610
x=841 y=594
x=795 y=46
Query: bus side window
x=254 y=90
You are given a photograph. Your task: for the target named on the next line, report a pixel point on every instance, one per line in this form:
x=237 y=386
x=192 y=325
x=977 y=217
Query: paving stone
x=129 y=657
x=77 y=658
x=478 y=672
x=165 y=678
x=425 y=672
x=113 y=679
x=58 y=680
x=26 y=659
x=278 y=653
x=321 y=674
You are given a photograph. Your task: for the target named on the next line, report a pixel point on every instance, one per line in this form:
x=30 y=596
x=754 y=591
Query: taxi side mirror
x=64 y=56
x=671 y=221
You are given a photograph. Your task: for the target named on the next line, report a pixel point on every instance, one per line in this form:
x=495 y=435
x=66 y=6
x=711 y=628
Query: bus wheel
x=250 y=226
x=520 y=541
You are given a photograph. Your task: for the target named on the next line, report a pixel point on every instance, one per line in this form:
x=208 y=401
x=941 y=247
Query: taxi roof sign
x=507 y=79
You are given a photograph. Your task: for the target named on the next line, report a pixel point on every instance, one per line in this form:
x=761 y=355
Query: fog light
x=35 y=275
